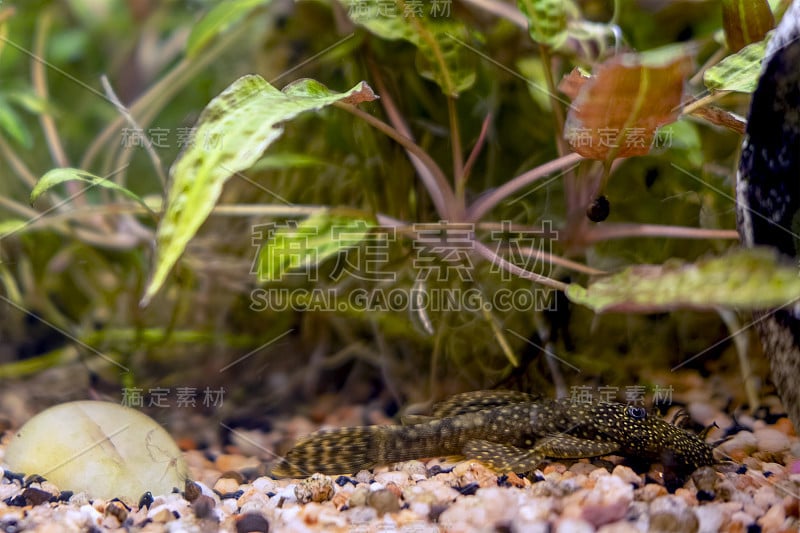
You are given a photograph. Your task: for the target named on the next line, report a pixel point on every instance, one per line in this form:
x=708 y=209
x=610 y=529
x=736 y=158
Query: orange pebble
x=784 y=425
x=186 y=443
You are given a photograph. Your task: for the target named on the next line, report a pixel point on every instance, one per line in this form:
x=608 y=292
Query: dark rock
x=34 y=496
x=146 y=500
x=344 y=480
x=250 y=522
x=203 y=507
x=191 y=490
x=468 y=489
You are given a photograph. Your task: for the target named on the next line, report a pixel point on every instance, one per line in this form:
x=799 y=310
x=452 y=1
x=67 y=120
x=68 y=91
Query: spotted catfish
x=507 y=430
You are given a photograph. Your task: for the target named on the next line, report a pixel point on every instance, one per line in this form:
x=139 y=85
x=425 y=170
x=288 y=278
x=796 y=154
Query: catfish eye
x=638 y=413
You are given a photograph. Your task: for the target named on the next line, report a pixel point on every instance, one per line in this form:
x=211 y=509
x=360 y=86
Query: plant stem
x=486 y=203
x=435 y=182
x=606 y=232
x=458 y=154
x=39 y=81
x=476 y=150
x=555 y=104
x=495 y=259
x=702 y=102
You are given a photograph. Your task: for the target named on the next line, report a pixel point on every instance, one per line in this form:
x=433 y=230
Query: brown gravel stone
x=359 y=496
x=34 y=496
x=203 y=507
x=472 y=472
x=117 y=510
x=650 y=492
x=191 y=490
x=383 y=501
x=226 y=485
x=681 y=522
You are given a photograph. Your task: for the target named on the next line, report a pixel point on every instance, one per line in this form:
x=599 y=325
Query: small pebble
x=398 y=478
x=705 y=479
x=203 y=507
x=710 y=517
x=225 y=485
x=252 y=522
x=344 y=480
x=191 y=491
x=383 y=501
x=317 y=488
x=773 y=519
x=118 y=510
x=574 y=525
x=684 y=521
x=771 y=440
x=414 y=469
x=359 y=497
x=650 y=492
x=147 y=500
x=34 y=496
x=364 y=476
x=628 y=475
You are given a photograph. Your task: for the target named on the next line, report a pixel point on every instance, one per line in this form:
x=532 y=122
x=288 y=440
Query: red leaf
x=618 y=110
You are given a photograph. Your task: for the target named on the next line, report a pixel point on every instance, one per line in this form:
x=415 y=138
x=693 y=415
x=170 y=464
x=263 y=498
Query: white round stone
x=100 y=448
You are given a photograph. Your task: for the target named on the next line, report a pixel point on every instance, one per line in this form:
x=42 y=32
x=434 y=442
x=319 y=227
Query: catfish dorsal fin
x=471 y=402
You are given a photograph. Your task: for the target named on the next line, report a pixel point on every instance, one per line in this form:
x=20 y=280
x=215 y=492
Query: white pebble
x=574 y=525
x=667 y=504
x=90 y=515
x=399 y=478
x=772 y=440
x=710 y=517
x=230 y=507
x=742 y=518
x=265 y=484
x=627 y=474
x=744 y=441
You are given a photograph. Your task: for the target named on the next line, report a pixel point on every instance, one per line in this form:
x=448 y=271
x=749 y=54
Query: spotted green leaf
x=738 y=72
x=438 y=37
x=744 y=279
x=306 y=244
x=230 y=135
x=61 y=175
x=547 y=20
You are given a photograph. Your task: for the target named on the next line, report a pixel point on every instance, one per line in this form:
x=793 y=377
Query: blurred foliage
x=476 y=94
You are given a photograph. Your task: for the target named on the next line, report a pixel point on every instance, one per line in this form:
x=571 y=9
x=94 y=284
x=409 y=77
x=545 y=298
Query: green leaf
x=230 y=135
x=547 y=20
x=745 y=22
x=12 y=124
x=11 y=226
x=28 y=101
x=738 y=72
x=744 y=279
x=441 y=54
x=312 y=241
x=58 y=176
x=532 y=69
x=217 y=20
x=288 y=160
